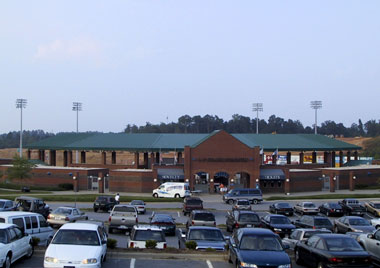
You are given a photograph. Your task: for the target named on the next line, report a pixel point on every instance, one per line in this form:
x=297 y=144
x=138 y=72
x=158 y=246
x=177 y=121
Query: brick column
x=76 y=182
x=287 y=181
x=187 y=167
x=352 y=179
x=179 y=158
x=152 y=160
x=101 y=183
x=137 y=160
x=211 y=188
x=348 y=156
x=301 y=158
x=332 y=159
x=288 y=158
x=340 y=158
x=70 y=157
x=314 y=157
x=332 y=182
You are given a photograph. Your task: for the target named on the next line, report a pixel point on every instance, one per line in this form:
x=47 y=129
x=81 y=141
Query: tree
x=21 y=168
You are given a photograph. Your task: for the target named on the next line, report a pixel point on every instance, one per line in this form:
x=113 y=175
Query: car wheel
x=377 y=227
x=297 y=256
x=155 y=195
x=30 y=251
x=7 y=262
x=230 y=201
x=321 y=265
x=177 y=196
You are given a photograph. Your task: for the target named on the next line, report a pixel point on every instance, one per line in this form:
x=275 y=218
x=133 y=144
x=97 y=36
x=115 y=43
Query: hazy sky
x=139 y=61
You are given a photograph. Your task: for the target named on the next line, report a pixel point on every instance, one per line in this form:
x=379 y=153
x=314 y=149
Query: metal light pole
x=20 y=104
x=257 y=107
x=316 y=105
x=77 y=107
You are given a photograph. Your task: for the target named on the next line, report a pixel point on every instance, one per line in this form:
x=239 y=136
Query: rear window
x=162 y=219
x=309 y=205
x=204 y=217
x=283 y=205
x=194 y=202
x=309 y=234
x=243 y=202
x=333 y=205
x=137 y=202
x=322 y=222
x=248 y=217
x=143 y=235
x=124 y=209
x=2 y=220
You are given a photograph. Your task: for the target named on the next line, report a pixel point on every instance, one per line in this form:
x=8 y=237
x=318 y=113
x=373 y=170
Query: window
x=377 y=235
x=43 y=222
x=19 y=222
x=8 y=204
x=294 y=235
x=279 y=184
x=320 y=245
x=34 y=222
x=2 y=220
x=75 y=212
x=272 y=184
x=27 y=223
x=265 y=184
x=12 y=233
x=244 y=192
x=18 y=233
x=312 y=241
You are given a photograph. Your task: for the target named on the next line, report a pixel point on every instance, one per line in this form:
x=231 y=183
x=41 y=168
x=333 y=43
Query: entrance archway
x=242 y=180
x=201 y=181
x=221 y=178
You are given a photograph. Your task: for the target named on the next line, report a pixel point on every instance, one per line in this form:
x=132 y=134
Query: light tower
x=316 y=105
x=20 y=104
x=77 y=107
x=257 y=107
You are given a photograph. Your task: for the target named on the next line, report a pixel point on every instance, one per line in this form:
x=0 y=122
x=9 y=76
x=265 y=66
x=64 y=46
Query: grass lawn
x=12 y=192
x=323 y=196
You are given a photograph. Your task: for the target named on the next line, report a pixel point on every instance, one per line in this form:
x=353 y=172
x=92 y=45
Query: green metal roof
x=154 y=142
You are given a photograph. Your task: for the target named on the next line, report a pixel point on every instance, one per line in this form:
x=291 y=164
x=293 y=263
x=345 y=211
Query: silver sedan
x=64 y=215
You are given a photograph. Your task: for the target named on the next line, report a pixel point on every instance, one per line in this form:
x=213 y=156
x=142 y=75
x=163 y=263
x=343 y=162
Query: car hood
x=365 y=229
x=283 y=226
x=203 y=244
x=73 y=252
x=264 y=258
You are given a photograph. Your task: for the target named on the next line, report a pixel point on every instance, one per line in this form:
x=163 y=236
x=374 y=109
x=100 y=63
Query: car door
x=45 y=229
x=292 y=239
x=373 y=244
x=75 y=214
x=234 y=246
x=346 y=225
x=307 y=250
x=103 y=241
x=339 y=225
x=15 y=244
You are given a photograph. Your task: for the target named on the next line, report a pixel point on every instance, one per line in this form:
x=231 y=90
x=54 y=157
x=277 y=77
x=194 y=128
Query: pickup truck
x=371 y=243
x=122 y=217
x=352 y=207
x=302 y=234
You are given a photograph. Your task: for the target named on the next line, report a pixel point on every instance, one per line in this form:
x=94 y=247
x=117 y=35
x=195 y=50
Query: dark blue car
x=257 y=247
x=279 y=224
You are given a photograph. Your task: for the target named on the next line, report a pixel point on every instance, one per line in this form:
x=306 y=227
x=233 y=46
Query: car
x=314 y=222
x=241 y=204
x=190 y=204
x=122 y=217
x=31 y=223
x=306 y=208
x=64 y=215
x=140 y=206
x=254 y=195
x=172 y=190
x=96 y=222
x=7 y=205
x=141 y=233
x=257 y=247
x=14 y=244
x=352 y=224
x=241 y=218
x=373 y=207
x=281 y=208
x=371 y=243
x=201 y=218
x=279 y=224
x=331 y=250
x=331 y=209
x=352 y=207
x=205 y=237
x=104 y=203
x=77 y=245
x=164 y=221
x=302 y=234
x=375 y=222
x=32 y=204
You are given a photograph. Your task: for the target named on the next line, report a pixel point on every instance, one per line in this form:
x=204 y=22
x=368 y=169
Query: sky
x=132 y=62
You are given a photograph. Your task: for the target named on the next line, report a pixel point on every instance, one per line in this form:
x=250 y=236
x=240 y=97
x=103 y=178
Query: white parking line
x=179 y=216
x=132 y=265
x=209 y=264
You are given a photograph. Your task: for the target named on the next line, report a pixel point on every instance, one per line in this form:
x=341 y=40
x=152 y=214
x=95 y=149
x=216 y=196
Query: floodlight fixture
x=316 y=105
x=21 y=104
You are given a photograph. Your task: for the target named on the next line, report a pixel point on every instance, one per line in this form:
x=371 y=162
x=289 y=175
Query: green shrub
x=66 y=186
x=35 y=241
x=151 y=244
x=111 y=243
x=191 y=244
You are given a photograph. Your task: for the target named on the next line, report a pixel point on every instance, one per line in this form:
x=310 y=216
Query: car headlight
x=244 y=264
x=285 y=266
x=89 y=261
x=277 y=230
x=51 y=259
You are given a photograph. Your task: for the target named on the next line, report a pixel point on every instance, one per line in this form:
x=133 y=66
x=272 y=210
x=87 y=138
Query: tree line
x=245 y=124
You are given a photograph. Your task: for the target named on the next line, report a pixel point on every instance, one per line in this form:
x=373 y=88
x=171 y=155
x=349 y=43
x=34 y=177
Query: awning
x=272 y=174
x=170 y=174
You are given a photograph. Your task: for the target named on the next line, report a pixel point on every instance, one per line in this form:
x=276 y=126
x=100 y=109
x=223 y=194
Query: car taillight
x=335 y=260
x=49 y=216
x=331 y=210
x=314 y=227
x=165 y=245
x=236 y=225
x=192 y=222
x=137 y=220
x=141 y=207
x=67 y=219
x=109 y=219
x=131 y=244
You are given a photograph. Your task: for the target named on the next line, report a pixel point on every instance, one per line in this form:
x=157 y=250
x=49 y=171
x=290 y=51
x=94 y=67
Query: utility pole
x=316 y=105
x=257 y=107
x=77 y=107
x=20 y=104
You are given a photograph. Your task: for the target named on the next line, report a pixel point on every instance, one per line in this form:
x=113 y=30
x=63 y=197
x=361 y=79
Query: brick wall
x=131 y=181
x=305 y=181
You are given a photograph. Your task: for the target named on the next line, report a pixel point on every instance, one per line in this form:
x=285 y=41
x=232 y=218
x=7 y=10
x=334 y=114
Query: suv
x=104 y=203
x=314 y=222
x=241 y=204
x=192 y=203
x=141 y=233
x=122 y=217
x=240 y=219
x=32 y=204
x=201 y=218
x=254 y=195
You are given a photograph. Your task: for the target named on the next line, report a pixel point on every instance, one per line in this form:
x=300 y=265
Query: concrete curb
x=159 y=255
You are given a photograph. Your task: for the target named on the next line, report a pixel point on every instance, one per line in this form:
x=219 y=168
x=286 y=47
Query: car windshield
x=249 y=217
x=243 y=202
x=377 y=205
x=76 y=237
x=260 y=243
x=279 y=220
x=2 y=203
x=65 y=211
x=3 y=236
x=162 y=219
x=308 y=234
x=124 y=209
x=137 y=202
x=322 y=222
x=143 y=235
x=336 y=206
x=204 y=217
x=359 y=222
x=343 y=244
x=352 y=202
x=206 y=234
x=101 y=199
x=308 y=205
x=283 y=205
x=194 y=202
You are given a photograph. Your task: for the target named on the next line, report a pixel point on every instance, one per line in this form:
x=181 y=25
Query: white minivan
x=172 y=189
x=31 y=223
